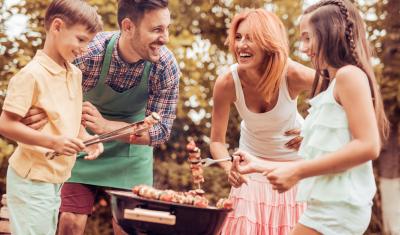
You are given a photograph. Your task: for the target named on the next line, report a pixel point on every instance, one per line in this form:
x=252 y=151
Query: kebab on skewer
x=196 y=166
x=188 y=198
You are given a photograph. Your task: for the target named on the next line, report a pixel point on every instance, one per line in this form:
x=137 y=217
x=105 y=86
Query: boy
x=52 y=83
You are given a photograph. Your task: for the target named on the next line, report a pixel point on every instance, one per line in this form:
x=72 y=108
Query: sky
x=15 y=26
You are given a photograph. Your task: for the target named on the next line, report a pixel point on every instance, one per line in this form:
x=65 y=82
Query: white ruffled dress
x=326 y=130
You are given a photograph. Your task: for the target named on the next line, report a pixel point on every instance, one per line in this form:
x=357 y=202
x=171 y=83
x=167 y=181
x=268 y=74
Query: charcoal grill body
x=189 y=220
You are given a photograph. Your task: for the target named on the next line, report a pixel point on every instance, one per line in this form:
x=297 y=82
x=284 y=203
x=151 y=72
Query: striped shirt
x=163 y=81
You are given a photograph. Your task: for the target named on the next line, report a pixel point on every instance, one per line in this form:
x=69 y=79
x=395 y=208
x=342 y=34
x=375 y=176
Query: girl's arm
x=12 y=128
x=246 y=163
x=353 y=93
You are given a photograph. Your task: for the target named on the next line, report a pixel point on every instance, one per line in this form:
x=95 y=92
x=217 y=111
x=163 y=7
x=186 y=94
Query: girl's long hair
x=340 y=39
x=268 y=32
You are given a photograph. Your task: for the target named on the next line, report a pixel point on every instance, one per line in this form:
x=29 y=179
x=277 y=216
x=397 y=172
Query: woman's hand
x=285 y=177
x=296 y=141
x=235 y=178
x=92 y=119
x=36 y=118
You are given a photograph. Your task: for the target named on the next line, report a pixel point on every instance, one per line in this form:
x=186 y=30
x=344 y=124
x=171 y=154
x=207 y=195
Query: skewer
x=209 y=161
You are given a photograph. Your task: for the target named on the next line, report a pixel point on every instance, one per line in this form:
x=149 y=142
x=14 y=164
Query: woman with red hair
x=263 y=85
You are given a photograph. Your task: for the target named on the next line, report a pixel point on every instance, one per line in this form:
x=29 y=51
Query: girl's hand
x=67 y=146
x=296 y=141
x=244 y=162
x=283 y=178
x=92 y=119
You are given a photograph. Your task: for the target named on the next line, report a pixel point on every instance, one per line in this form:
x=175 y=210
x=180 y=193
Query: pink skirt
x=260 y=210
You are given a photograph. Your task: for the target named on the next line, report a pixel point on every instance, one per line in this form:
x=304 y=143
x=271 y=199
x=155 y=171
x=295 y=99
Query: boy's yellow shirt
x=45 y=84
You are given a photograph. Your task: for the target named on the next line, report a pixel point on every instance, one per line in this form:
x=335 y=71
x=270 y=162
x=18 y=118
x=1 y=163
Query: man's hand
x=142 y=139
x=92 y=119
x=94 y=150
x=36 y=118
x=296 y=141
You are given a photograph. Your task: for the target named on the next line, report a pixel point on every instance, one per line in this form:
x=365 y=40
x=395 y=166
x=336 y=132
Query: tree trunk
x=389 y=185
x=389 y=161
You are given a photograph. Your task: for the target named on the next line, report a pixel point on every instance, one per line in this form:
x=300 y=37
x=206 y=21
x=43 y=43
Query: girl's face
x=247 y=51
x=307 y=40
x=306 y=37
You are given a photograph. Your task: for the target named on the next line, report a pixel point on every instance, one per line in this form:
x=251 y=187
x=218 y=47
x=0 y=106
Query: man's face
x=151 y=33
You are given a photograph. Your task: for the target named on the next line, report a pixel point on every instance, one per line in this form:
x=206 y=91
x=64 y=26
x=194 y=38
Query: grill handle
x=145 y=215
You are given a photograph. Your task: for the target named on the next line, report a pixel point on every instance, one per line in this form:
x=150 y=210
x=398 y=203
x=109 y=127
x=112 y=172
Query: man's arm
x=36 y=118
x=163 y=100
x=93 y=120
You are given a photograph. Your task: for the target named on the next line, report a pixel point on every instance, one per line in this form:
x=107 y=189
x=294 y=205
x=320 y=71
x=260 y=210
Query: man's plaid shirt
x=163 y=81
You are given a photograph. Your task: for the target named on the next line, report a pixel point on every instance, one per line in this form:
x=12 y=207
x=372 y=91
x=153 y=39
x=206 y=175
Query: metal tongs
x=209 y=161
x=136 y=128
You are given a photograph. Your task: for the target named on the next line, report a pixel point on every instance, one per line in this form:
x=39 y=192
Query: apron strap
x=145 y=75
x=107 y=58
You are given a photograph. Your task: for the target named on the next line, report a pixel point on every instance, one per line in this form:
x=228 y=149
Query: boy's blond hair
x=73 y=12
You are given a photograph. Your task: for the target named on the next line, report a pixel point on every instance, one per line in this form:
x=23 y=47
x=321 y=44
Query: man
x=126 y=75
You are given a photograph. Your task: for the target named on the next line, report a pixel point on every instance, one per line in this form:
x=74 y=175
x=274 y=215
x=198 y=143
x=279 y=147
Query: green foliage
x=197 y=37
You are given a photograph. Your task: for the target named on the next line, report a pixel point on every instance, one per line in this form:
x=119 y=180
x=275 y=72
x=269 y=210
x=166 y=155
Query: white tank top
x=263 y=134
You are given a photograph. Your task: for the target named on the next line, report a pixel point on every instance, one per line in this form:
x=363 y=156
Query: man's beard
x=144 y=50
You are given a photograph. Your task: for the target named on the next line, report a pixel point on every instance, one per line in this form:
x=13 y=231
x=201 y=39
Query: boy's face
x=150 y=34
x=72 y=41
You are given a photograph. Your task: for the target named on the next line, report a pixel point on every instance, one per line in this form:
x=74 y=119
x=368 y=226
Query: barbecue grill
x=138 y=215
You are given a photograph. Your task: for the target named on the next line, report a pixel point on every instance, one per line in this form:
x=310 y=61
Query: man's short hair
x=135 y=9
x=73 y=12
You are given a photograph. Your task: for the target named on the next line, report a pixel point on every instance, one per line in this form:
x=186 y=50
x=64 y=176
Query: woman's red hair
x=268 y=32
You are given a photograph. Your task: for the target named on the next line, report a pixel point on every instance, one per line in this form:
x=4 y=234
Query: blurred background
x=197 y=36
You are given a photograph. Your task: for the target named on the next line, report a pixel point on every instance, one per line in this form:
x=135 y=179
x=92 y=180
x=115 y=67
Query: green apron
x=121 y=165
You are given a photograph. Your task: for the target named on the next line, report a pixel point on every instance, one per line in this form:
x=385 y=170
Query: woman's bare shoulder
x=225 y=86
